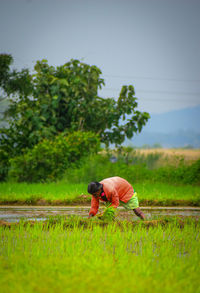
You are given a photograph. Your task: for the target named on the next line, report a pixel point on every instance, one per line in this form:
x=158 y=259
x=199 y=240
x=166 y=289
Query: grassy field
x=158 y=157
x=100 y=259
x=189 y=155
x=48 y=191
x=65 y=193
x=90 y=255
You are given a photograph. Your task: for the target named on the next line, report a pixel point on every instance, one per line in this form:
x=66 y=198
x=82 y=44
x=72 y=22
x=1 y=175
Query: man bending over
x=114 y=190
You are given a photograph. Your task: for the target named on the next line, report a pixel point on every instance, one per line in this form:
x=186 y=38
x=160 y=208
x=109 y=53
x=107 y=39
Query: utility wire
x=152 y=78
x=124 y=76
x=156 y=92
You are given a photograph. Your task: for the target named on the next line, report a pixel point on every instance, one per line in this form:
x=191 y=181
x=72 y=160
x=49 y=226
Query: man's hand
x=90 y=216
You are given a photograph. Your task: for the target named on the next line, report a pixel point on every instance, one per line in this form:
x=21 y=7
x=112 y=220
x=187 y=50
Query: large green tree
x=65 y=98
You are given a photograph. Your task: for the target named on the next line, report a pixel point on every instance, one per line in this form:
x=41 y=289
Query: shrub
x=81 y=144
x=48 y=160
x=98 y=167
x=192 y=173
x=186 y=174
x=93 y=168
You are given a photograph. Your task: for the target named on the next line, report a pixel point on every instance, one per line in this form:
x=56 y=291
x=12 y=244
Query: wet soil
x=179 y=222
x=13 y=214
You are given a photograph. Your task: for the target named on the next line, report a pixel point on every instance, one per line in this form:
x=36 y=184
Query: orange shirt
x=116 y=189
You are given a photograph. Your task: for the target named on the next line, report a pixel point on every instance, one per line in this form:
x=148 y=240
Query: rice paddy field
x=76 y=254
x=100 y=258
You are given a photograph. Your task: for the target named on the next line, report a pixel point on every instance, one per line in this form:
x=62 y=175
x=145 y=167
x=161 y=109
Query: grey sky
x=152 y=44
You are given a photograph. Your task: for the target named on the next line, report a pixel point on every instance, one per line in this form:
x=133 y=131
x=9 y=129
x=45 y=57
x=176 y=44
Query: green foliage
x=4 y=164
x=5 y=61
x=48 y=160
x=99 y=166
x=186 y=174
x=81 y=144
x=56 y=99
x=12 y=82
x=129 y=156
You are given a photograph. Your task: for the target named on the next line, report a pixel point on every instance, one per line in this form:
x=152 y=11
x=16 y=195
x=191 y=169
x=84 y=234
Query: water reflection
x=15 y=213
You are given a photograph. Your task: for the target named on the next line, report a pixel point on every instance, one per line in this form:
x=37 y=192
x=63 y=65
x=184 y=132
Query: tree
x=16 y=88
x=56 y=99
x=12 y=82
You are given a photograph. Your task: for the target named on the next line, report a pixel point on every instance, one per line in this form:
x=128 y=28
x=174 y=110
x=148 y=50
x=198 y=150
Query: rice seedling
x=56 y=258
x=108 y=214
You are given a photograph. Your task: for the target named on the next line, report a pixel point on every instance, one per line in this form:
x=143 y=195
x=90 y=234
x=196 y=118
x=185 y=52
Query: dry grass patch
x=172 y=156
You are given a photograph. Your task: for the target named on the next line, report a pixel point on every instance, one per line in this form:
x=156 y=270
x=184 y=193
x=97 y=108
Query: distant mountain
x=167 y=140
x=178 y=128
x=185 y=119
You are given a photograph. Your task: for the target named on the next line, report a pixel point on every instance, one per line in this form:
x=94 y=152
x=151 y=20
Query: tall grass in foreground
x=35 y=259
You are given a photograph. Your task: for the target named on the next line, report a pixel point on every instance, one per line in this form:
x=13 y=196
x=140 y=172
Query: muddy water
x=40 y=213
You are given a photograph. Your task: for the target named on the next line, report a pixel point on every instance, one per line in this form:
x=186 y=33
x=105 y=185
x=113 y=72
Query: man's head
x=94 y=188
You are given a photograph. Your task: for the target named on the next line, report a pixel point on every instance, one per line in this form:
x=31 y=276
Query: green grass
x=164 y=192
x=159 y=193
x=96 y=259
x=48 y=191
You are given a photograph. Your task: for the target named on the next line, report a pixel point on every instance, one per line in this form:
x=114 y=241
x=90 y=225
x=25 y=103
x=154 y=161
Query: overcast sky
x=152 y=44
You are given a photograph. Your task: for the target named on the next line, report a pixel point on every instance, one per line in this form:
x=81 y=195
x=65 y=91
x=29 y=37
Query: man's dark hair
x=94 y=187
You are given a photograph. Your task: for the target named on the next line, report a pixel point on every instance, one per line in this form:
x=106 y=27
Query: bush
x=98 y=167
x=186 y=174
x=81 y=144
x=48 y=160
x=93 y=168
x=192 y=174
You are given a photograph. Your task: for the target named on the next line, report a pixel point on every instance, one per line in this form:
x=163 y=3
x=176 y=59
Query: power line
x=156 y=92
x=169 y=92
x=127 y=76
x=166 y=100
x=152 y=78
